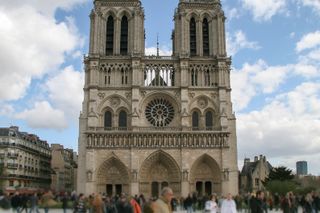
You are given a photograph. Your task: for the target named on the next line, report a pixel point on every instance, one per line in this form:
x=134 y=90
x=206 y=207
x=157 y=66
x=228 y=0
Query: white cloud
x=239 y=41
x=233 y=13
x=6 y=109
x=66 y=91
x=284 y=126
x=47 y=7
x=163 y=51
x=259 y=78
x=314 y=4
x=254 y=79
x=43 y=116
x=309 y=41
x=28 y=48
x=264 y=10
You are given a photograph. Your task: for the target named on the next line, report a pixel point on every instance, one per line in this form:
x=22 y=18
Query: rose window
x=159 y=112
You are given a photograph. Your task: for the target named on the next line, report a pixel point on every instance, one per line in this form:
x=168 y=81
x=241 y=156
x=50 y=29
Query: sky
x=275 y=78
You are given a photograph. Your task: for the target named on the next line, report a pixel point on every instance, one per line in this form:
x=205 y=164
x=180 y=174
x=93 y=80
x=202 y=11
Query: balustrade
x=158 y=140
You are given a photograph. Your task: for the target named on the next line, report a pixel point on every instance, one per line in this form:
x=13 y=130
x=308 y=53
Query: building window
x=257 y=182
x=11 y=183
x=110 y=36
x=209 y=120
x=124 y=76
x=124 y=36
x=194 y=78
x=123 y=119
x=193 y=37
x=107 y=120
x=107 y=77
x=205 y=35
x=195 y=121
x=207 y=81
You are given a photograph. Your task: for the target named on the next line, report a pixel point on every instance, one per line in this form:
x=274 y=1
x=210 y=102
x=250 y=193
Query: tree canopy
x=280 y=173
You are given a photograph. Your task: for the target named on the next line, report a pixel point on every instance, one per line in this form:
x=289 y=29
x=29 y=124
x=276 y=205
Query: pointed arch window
x=123 y=119
x=107 y=77
x=209 y=120
x=107 y=120
x=193 y=37
x=124 y=36
x=194 y=78
x=205 y=35
x=110 y=36
x=124 y=76
x=195 y=120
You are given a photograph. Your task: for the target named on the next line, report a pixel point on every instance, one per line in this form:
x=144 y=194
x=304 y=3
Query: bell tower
x=117 y=28
x=199 y=29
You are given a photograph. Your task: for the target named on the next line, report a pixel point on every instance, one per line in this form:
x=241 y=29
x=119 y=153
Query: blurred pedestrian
x=98 y=204
x=228 y=205
x=163 y=204
x=211 y=205
x=34 y=201
x=123 y=205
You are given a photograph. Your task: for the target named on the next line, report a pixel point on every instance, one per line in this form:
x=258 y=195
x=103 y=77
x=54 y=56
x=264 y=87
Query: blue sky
x=274 y=44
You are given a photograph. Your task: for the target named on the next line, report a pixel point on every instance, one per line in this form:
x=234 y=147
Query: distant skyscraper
x=302 y=168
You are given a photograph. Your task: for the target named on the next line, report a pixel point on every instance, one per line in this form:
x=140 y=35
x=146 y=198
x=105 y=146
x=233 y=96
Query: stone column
x=117 y=34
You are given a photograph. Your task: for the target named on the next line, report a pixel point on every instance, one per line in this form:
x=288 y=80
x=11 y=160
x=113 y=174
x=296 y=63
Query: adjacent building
x=154 y=121
x=302 y=168
x=64 y=165
x=254 y=173
x=25 y=161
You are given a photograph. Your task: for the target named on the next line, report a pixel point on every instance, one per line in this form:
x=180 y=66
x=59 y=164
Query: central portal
x=158 y=171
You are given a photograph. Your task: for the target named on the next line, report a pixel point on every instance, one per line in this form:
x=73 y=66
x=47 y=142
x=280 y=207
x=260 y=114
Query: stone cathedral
x=154 y=121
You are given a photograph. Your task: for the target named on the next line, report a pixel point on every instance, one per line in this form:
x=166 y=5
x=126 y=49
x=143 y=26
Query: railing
x=158 y=140
x=154 y=57
x=12 y=165
x=153 y=129
x=13 y=155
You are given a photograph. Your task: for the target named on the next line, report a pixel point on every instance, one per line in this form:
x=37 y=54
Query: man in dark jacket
x=123 y=205
x=257 y=203
x=188 y=204
x=16 y=202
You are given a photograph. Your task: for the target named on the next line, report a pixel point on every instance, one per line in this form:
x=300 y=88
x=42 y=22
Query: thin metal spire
x=157 y=44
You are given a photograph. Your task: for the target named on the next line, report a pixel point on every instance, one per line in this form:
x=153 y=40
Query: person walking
x=65 y=200
x=211 y=205
x=135 y=205
x=110 y=207
x=47 y=201
x=34 y=200
x=16 y=202
x=228 y=205
x=188 y=204
x=257 y=203
x=163 y=204
x=80 y=205
x=123 y=205
x=98 y=204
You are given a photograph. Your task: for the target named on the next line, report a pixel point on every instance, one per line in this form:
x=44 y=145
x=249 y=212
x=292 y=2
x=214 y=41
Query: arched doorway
x=205 y=176
x=157 y=171
x=113 y=177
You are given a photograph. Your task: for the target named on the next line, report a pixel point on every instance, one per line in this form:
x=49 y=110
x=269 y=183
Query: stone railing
x=152 y=129
x=198 y=140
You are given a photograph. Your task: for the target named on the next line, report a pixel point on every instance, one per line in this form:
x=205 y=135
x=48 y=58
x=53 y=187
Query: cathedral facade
x=154 y=121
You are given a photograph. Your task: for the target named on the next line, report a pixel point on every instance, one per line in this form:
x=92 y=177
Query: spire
x=157 y=44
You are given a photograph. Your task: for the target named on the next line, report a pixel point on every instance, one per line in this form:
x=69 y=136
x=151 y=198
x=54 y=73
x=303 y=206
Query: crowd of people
x=259 y=202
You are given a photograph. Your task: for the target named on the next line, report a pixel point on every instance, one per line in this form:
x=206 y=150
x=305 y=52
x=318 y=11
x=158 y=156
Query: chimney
x=246 y=161
x=16 y=128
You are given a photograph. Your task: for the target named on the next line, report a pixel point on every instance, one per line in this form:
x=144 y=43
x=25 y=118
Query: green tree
x=281 y=187
x=280 y=173
x=281 y=181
